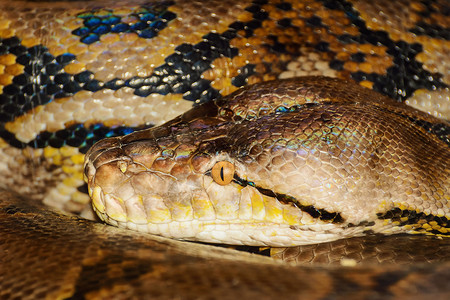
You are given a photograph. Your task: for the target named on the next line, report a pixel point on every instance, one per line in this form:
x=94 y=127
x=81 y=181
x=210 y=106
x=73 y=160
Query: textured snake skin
x=75 y=72
x=312 y=159
x=59 y=257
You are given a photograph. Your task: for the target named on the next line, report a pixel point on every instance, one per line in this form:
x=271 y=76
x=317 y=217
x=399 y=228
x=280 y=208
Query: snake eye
x=223 y=172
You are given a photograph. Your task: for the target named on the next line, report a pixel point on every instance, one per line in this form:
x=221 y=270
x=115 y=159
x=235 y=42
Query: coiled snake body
x=298 y=160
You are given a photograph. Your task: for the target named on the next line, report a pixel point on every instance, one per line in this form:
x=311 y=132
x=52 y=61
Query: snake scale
x=75 y=72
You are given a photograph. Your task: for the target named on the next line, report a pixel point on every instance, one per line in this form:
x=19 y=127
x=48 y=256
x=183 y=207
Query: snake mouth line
x=317 y=213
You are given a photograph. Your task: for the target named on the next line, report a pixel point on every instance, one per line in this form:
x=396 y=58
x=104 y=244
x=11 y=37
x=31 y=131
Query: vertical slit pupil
x=221 y=174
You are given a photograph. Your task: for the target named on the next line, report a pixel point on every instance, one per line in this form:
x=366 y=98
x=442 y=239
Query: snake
x=205 y=92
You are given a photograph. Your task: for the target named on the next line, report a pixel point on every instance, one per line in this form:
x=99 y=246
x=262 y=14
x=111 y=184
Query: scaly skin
x=50 y=255
x=61 y=90
x=315 y=159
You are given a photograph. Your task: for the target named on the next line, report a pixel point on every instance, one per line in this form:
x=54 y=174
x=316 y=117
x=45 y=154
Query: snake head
x=275 y=174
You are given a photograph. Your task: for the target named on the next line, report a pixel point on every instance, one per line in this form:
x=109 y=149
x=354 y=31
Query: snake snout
x=101 y=153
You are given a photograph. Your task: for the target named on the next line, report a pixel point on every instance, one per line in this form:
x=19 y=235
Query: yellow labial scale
x=114 y=213
x=245 y=208
x=203 y=209
x=274 y=211
x=181 y=211
x=97 y=202
x=157 y=214
x=291 y=215
x=135 y=210
x=258 y=208
x=245 y=204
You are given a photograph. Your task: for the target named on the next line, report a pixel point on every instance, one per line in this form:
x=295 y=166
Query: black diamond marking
x=152 y=18
x=317 y=213
x=181 y=73
x=440 y=130
x=358 y=57
x=284 y=6
x=431 y=30
x=406 y=75
x=76 y=136
x=412 y=217
x=244 y=73
x=430 y=8
x=314 y=21
x=42 y=81
x=285 y=22
x=322 y=47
